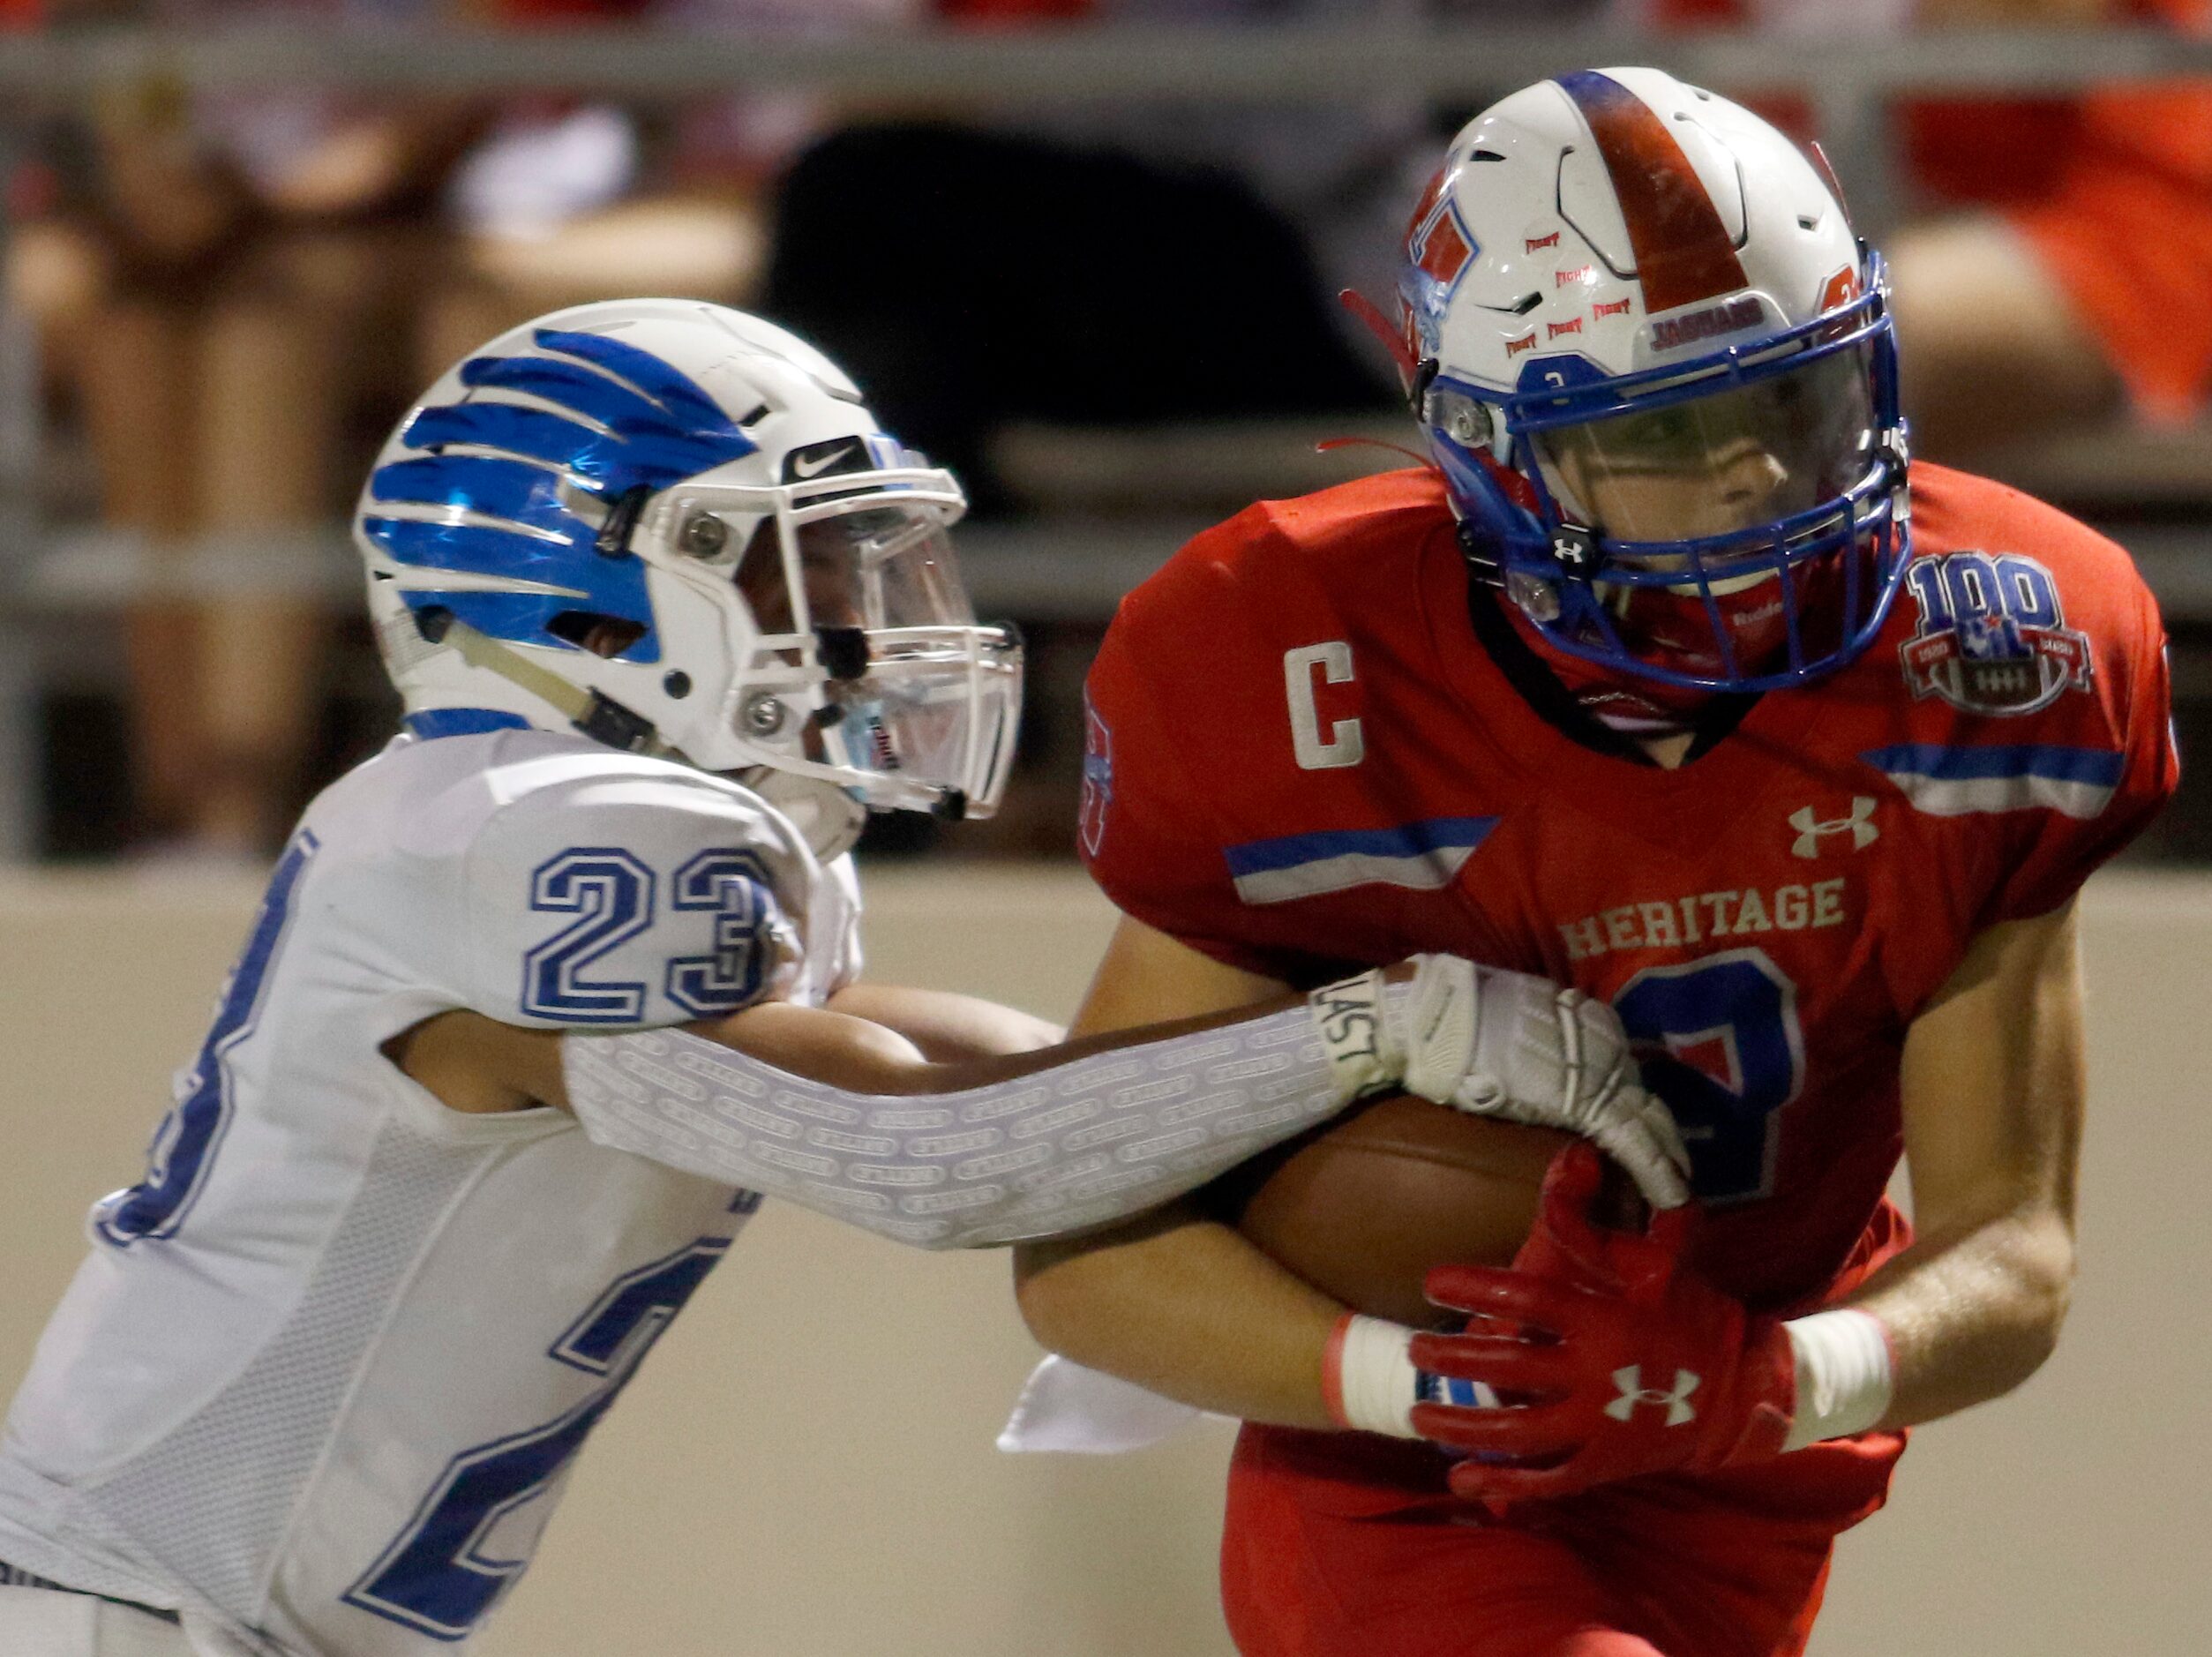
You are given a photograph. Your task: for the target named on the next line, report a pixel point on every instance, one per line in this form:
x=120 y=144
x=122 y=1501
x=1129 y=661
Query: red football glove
x=1616 y=1360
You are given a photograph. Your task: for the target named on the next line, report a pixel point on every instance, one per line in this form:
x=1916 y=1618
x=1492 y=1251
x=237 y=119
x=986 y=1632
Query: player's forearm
x=946 y=1027
x=1186 y=1308
x=847 y=1117
x=940 y=1050
x=1993 y=1086
x=1972 y=1312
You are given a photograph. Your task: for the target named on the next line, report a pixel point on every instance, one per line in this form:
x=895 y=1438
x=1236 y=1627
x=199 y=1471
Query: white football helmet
x=1656 y=369
x=676 y=528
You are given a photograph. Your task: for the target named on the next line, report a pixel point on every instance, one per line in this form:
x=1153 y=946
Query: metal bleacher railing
x=1047 y=570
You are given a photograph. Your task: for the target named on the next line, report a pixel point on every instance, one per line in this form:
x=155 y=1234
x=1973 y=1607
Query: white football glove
x=1509 y=1045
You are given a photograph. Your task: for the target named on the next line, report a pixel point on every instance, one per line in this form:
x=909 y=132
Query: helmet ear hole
x=604 y=636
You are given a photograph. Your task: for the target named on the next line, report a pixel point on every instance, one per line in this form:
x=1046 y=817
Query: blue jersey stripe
x=1406 y=840
x=2099 y=767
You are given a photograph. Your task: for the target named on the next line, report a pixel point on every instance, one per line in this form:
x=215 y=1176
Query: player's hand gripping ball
x=1614 y=1358
x=1516 y=1046
x=1363 y=1208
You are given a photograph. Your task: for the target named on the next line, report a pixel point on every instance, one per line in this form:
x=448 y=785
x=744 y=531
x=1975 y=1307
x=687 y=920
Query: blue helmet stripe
x=673 y=391
x=585 y=390
x=478 y=547
x=605 y=587
x=660 y=428
x=513 y=490
x=533 y=433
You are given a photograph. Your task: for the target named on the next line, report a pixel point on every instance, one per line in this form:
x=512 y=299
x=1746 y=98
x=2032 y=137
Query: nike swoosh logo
x=816 y=468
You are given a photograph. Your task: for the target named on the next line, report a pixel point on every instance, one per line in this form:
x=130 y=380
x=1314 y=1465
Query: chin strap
x=591 y=712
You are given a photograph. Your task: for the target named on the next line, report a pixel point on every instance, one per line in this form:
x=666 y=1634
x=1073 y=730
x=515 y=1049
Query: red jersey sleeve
x=1177 y=697
x=1143 y=833
x=2116 y=786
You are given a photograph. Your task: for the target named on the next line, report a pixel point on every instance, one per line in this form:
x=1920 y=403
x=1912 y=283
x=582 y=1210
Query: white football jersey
x=321 y=1379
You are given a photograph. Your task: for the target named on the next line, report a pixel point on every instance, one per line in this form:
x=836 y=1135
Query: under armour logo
x=1575 y=549
x=1633 y=1392
x=1859 y=825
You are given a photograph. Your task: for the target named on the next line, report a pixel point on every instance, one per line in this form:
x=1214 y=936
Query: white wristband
x=1367 y=1376
x=1363 y=1057
x=1844 y=1375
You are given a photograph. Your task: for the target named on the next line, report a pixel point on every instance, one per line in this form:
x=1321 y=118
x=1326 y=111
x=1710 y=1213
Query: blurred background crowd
x=1113 y=318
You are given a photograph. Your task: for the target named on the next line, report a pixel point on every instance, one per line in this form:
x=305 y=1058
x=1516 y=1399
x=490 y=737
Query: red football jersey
x=1304 y=756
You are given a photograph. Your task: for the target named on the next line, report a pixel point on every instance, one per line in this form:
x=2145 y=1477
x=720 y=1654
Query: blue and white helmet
x=676 y=528
x=1656 y=369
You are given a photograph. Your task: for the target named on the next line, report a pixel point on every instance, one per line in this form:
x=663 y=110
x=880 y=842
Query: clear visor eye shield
x=1736 y=522
x=865 y=666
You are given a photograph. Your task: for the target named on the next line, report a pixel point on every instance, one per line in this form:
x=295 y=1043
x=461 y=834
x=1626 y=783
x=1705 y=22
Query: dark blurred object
x=971 y=278
x=84 y=734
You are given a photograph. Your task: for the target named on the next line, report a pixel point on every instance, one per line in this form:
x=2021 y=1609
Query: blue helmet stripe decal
x=671 y=445
x=514 y=490
x=523 y=557
x=673 y=391
x=535 y=434
x=660 y=428
x=587 y=391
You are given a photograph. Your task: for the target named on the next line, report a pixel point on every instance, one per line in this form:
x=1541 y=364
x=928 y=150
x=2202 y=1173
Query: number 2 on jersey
x=452 y=1563
x=1719 y=1042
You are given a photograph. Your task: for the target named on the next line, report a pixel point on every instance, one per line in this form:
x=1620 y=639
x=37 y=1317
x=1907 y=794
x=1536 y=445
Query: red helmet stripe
x=1681 y=249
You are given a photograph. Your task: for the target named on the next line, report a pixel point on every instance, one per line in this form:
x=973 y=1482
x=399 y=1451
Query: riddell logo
x=1526 y=342
x=1676 y=332
x=1630 y=1381
x=1553 y=330
x=1859 y=825
x=1538 y=243
x=1610 y=308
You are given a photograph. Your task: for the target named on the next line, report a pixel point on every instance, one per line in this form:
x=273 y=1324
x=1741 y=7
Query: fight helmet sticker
x=1992 y=637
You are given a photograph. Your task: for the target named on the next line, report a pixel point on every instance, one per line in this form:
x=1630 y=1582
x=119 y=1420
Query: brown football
x=1363 y=1207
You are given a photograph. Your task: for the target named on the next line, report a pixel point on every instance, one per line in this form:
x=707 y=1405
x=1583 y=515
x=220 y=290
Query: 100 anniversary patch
x=1992 y=637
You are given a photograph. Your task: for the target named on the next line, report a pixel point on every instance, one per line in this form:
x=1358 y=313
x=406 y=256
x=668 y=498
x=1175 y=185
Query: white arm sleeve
x=1090 y=1141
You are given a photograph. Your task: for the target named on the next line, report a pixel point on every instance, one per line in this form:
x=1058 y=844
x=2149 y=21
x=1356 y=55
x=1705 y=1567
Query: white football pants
x=48 y=1623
